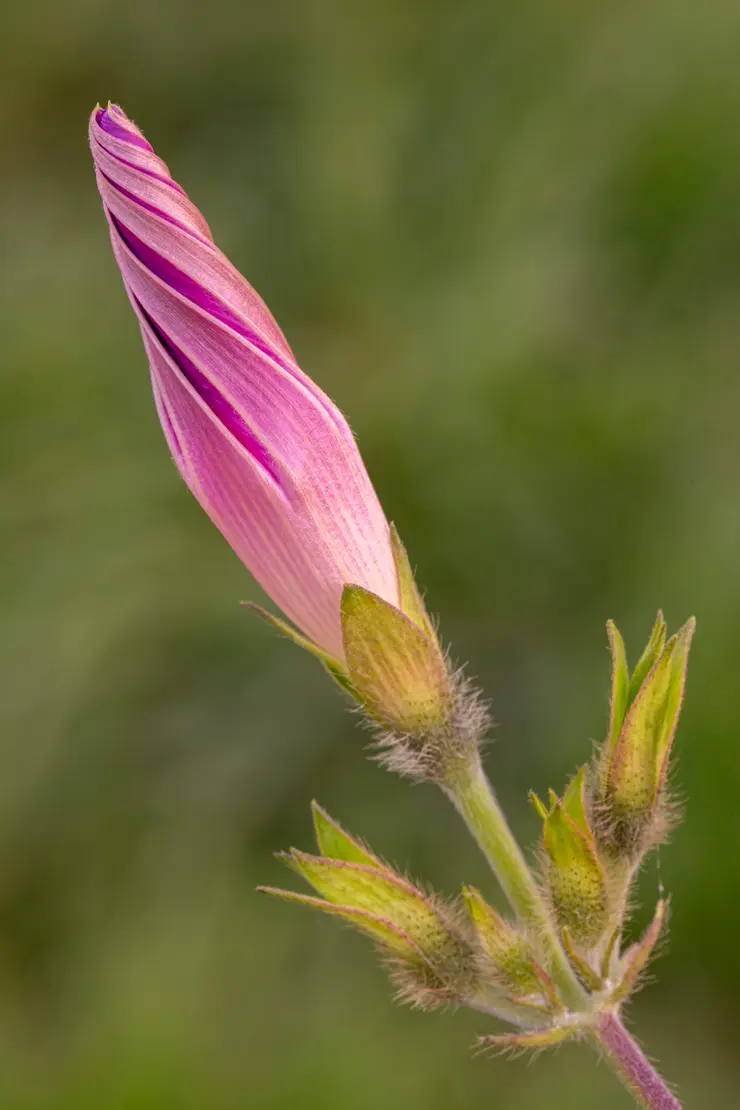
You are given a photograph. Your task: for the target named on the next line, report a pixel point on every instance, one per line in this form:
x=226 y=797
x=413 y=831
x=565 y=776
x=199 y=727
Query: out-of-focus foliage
x=506 y=238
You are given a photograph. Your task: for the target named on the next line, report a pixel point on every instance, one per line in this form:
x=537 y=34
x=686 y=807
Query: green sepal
x=539 y=805
x=384 y=932
x=340 y=677
x=334 y=843
x=534 y=1039
x=379 y=892
x=637 y=770
x=620 y=684
x=610 y=955
x=410 y=600
x=511 y=962
x=574 y=803
x=333 y=665
x=637 y=956
x=591 y=978
x=647 y=660
x=397 y=670
x=624 y=687
x=576 y=878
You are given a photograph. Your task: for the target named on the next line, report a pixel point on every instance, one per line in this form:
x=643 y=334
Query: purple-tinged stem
x=633 y=1066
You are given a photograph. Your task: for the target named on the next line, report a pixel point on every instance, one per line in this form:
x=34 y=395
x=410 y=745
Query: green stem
x=474 y=798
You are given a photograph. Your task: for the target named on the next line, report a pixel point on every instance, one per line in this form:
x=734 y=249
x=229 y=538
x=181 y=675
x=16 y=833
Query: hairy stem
x=473 y=796
x=632 y=1065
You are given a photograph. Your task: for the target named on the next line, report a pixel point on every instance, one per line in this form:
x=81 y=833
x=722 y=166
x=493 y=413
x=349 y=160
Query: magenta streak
x=142 y=169
x=156 y=211
x=106 y=121
x=198 y=294
x=224 y=412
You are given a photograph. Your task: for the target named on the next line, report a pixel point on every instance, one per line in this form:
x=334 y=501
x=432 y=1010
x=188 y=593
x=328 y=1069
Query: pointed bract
x=410 y=600
x=291 y=634
x=636 y=957
x=647 y=660
x=574 y=803
x=620 y=684
x=532 y=1040
x=334 y=843
x=388 y=935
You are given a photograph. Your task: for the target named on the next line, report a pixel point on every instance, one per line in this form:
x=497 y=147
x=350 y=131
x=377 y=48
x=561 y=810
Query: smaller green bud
x=432 y=952
x=634 y=763
x=509 y=962
x=575 y=876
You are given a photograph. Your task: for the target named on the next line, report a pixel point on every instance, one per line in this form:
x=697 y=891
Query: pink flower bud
x=266 y=453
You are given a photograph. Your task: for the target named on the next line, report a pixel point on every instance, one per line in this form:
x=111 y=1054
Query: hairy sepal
x=636 y=957
x=395 y=666
x=428 y=717
x=334 y=843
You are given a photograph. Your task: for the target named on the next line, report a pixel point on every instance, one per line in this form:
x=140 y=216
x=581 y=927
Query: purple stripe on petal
x=106 y=120
x=221 y=409
x=194 y=291
x=156 y=211
x=143 y=169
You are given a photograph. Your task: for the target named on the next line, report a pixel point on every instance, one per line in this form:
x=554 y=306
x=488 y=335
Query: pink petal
x=266 y=453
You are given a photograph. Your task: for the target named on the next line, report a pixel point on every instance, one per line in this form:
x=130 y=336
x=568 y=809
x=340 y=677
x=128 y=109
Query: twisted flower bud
x=266 y=453
x=271 y=459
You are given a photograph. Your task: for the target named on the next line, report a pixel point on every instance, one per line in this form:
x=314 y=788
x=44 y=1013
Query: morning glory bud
x=273 y=462
x=267 y=454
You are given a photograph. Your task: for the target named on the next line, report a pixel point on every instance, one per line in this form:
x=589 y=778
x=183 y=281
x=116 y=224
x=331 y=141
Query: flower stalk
x=632 y=1065
x=473 y=796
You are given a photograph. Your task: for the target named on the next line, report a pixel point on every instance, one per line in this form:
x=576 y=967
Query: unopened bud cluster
x=593 y=838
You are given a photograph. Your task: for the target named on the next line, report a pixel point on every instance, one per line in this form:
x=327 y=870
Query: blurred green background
x=506 y=239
